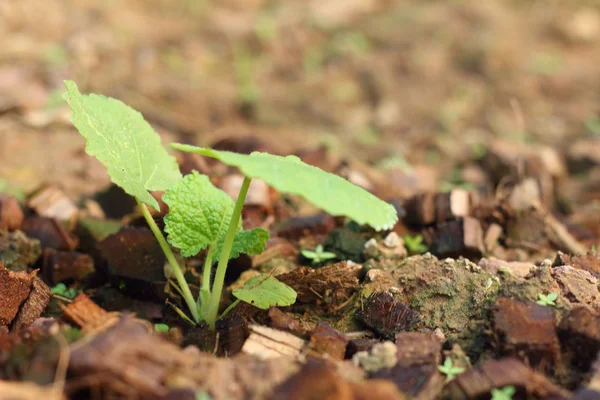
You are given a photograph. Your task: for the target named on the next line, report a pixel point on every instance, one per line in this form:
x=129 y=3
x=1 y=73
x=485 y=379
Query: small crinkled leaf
x=264 y=291
x=199 y=214
x=250 y=242
x=289 y=174
x=120 y=138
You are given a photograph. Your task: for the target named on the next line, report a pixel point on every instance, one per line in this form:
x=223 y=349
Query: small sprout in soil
x=414 y=244
x=161 y=328
x=318 y=255
x=200 y=215
x=62 y=290
x=449 y=370
x=203 y=396
x=506 y=393
x=122 y=285
x=547 y=300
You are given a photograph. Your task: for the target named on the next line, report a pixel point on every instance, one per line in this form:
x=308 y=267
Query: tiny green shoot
x=547 y=300
x=62 y=290
x=318 y=255
x=450 y=370
x=161 y=328
x=506 y=393
x=414 y=244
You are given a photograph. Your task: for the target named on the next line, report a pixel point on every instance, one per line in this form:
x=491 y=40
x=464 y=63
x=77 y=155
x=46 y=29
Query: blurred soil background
x=421 y=86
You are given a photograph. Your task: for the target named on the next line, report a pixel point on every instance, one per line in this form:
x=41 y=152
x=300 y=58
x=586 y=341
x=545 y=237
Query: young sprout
x=62 y=290
x=161 y=328
x=547 y=300
x=449 y=370
x=200 y=215
x=506 y=393
x=318 y=255
x=415 y=244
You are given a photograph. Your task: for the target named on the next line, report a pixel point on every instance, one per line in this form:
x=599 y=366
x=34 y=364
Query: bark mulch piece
x=58 y=266
x=526 y=331
x=298 y=227
x=36 y=303
x=88 y=315
x=14 y=290
x=386 y=315
x=290 y=322
x=415 y=373
x=428 y=208
x=477 y=383
x=50 y=232
x=134 y=253
x=327 y=342
x=11 y=215
x=318 y=380
x=579 y=332
x=266 y=342
x=589 y=261
x=463 y=236
x=329 y=287
x=127 y=359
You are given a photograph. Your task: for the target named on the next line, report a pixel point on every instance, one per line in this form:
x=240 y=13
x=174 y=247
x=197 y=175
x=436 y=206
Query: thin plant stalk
x=183 y=285
x=215 y=297
x=231 y=307
x=204 y=295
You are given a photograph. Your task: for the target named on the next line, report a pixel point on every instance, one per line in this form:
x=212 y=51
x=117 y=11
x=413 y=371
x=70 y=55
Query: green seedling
x=318 y=255
x=506 y=393
x=415 y=244
x=202 y=217
x=547 y=300
x=449 y=370
x=62 y=290
x=161 y=328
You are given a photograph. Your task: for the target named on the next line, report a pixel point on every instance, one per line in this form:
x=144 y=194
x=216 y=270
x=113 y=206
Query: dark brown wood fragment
x=428 y=208
x=386 y=315
x=318 y=380
x=134 y=253
x=526 y=331
x=36 y=303
x=49 y=232
x=11 y=215
x=477 y=383
x=356 y=345
x=455 y=237
x=290 y=322
x=415 y=374
x=58 y=266
x=328 y=287
x=14 y=290
x=88 y=315
x=328 y=342
x=579 y=333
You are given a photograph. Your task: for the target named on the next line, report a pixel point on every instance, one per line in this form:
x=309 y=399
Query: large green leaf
x=199 y=216
x=264 y=291
x=289 y=174
x=124 y=142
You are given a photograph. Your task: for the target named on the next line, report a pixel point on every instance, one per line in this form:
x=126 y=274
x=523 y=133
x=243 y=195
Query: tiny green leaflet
x=289 y=174
x=264 y=291
x=199 y=215
x=120 y=138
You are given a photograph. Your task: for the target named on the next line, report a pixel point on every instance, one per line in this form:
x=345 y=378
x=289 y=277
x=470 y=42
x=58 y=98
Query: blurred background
x=420 y=88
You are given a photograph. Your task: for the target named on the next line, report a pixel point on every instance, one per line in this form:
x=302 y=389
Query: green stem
x=213 y=305
x=204 y=295
x=231 y=307
x=187 y=294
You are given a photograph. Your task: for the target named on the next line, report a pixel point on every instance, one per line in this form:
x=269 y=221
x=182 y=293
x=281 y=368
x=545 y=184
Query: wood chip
x=11 y=215
x=327 y=342
x=526 y=331
x=36 y=303
x=51 y=202
x=88 y=315
x=28 y=391
x=428 y=208
x=456 y=237
x=266 y=343
x=14 y=290
x=58 y=266
x=579 y=332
